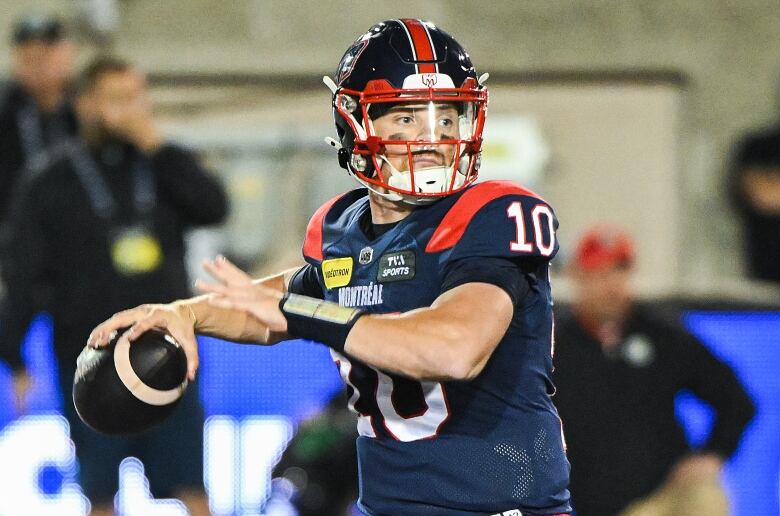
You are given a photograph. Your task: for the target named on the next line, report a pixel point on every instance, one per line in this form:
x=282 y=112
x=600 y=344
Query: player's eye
x=404 y=119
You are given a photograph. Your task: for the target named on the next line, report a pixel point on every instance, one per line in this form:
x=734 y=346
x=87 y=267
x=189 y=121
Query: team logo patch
x=396 y=266
x=366 y=255
x=350 y=58
x=337 y=272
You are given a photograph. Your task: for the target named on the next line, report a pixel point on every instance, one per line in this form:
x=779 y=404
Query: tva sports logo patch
x=396 y=266
x=337 y=272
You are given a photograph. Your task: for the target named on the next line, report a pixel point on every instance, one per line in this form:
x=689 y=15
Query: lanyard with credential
x=134 y=248
x=100 y=197
x=28 y=121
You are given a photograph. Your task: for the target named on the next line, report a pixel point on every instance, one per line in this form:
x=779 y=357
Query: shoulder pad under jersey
x=497 y=218
x=325 y=222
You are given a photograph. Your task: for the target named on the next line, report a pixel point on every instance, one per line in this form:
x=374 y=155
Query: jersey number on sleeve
x=411 y=410
x=521 y=243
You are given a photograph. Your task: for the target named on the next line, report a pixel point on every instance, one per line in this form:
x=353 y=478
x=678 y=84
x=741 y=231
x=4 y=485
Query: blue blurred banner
x=294 y=379
x=750 y=344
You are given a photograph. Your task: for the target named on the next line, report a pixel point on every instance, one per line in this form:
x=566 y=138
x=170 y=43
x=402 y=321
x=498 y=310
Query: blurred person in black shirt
x=35 y=111
x=755 y=189
x=618 y=369
x=97 y=227
x=321 y=462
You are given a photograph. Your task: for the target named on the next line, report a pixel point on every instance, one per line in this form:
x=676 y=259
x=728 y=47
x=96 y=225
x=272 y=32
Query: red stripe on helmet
x=455 y=222
x=312 y=243
x=422 y=46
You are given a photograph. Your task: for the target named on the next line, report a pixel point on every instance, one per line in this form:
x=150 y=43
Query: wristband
x=315 y=319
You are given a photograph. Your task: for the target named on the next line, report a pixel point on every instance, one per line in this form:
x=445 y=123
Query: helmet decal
x=350 y=58
x=429 y=79
x=421 y=44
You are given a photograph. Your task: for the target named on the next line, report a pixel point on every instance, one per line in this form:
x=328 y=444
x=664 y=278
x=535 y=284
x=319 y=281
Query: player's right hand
x=172 y=318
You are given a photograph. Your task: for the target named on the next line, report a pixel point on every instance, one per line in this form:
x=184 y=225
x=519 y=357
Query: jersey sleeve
x=498 y=219
x=501 y=272
x=307 y=282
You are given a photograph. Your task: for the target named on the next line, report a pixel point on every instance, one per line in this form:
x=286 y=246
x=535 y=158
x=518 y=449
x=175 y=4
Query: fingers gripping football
x=145 y=317
x=103 y=332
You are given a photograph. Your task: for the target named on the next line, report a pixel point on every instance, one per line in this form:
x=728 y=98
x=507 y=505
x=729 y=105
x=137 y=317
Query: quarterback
x=432 y=291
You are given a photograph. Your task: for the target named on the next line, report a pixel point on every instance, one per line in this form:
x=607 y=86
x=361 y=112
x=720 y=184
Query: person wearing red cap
x=618 y=368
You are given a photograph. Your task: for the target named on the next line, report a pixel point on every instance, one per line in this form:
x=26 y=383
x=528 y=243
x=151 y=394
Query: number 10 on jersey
x=524 y=242
x=419 y=415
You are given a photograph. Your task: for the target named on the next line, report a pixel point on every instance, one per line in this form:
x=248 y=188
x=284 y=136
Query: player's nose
x=423 y=130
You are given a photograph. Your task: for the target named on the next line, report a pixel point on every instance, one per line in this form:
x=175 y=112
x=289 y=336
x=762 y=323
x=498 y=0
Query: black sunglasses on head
x=38 y=28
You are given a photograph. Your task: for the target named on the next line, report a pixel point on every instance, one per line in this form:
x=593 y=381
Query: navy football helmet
x=409 y=112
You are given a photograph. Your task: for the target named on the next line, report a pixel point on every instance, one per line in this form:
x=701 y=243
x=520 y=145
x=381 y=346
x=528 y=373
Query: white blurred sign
x=514 y=149
x=239 y=458
x=27 y=446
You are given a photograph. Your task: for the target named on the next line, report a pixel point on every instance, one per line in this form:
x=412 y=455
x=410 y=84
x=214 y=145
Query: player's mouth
x=427 y=159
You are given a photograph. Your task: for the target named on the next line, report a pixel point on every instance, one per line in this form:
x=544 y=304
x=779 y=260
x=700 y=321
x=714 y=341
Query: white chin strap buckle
x=426 y=181
x=431 y=180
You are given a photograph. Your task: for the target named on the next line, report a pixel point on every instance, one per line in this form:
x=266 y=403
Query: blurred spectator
x=618 y=369
x=755 y=189
x=35 y=111
x=321 y=462
x=98 y=228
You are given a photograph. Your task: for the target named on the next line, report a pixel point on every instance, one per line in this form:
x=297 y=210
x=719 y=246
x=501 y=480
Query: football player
x=431 y=290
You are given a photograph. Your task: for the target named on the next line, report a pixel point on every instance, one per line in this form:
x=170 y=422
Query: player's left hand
x=234 y=290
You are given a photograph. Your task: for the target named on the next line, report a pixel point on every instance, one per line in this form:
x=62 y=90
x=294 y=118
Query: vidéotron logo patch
x=396 y=266
x=337 y=272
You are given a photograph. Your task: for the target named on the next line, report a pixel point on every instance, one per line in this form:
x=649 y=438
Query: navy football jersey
x=490 y=445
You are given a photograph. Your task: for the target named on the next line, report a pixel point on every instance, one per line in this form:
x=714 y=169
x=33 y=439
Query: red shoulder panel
x=312 y=244
x=455 y=222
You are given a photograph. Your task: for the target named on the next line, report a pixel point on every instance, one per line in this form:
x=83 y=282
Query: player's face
x=606 y=291
x=426 y=123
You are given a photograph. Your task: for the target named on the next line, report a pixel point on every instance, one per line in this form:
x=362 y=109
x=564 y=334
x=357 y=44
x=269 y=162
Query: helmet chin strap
x=426 y=180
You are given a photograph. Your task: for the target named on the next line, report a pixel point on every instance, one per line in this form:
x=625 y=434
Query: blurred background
x=622 y=111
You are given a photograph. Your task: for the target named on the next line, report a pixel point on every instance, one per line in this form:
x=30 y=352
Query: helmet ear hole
x=359 y=163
